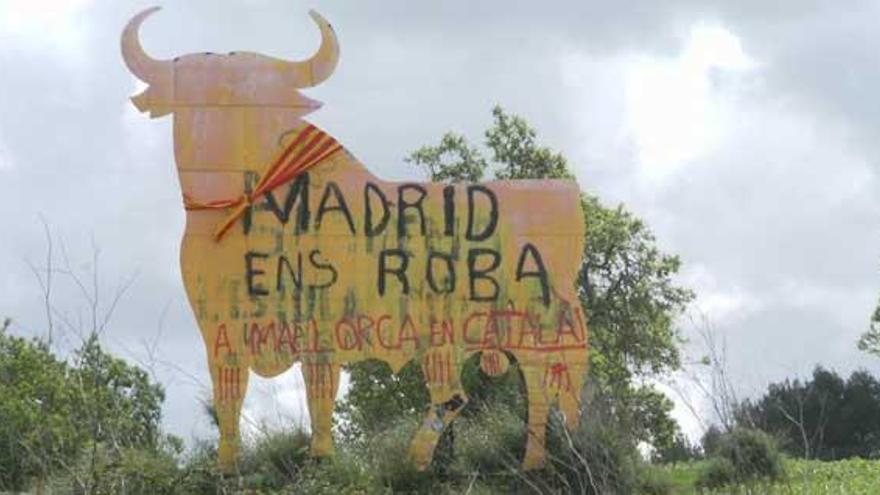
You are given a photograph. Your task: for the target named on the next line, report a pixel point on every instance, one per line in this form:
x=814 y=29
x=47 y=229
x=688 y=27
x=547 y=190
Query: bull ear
x=321 y=65
x=143 y=66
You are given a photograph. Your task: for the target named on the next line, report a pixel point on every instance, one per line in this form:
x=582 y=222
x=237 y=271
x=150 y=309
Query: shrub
x=594 y=459
x=710 y=440
x=653 y=481
x=127 y=470
x=680 y=449
x=342 y=474
x=718 y=472
x=388 y=456
x=742 y=455
x=275 y=458
x=489 y=442
x=268 y=464
x=201 y=475
x=753 y=454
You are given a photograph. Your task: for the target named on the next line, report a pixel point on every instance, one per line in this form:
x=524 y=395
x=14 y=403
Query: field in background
x=848 y=477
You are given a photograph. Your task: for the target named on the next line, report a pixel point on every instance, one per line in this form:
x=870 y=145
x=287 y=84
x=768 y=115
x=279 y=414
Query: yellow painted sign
x=295 y=252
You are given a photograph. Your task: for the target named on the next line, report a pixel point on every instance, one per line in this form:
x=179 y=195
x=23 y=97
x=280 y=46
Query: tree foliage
x=73 y=419
x=870 y=340
x=827 y=417
x=36 y=406
x=118 y=401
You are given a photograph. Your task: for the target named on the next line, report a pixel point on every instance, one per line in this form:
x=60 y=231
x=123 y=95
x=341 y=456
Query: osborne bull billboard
x=293 y=252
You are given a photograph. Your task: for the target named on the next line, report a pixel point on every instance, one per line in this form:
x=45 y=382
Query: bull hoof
x=535 y=458
x=421 y=451
x=226 y=459
x=321 y=447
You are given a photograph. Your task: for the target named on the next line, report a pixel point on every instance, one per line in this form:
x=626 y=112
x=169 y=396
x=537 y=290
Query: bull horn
x=139 y=63
x=322 y=64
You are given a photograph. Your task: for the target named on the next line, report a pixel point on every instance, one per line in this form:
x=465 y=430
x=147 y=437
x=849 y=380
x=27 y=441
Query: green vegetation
x=828 y=417
x=742 y=456
x=86 y=422
x=802 y=477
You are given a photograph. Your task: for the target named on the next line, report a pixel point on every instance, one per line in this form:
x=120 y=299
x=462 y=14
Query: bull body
x=336 y=266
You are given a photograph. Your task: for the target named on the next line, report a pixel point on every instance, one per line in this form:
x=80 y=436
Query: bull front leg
x=230 y=386
x=447 y=401
x=322 y=381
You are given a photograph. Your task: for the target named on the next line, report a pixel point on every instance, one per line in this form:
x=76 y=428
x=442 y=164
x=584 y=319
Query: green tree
x=626 y=284
x=870 y=340
x=91 y=420
x=827 y=417
x=36 y=405
x=116 y=400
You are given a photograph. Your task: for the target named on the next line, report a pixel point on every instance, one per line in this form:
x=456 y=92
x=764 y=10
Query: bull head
x=236 y=79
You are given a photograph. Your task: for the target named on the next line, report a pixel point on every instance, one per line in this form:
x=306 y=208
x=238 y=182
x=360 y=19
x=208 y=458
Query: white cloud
x=722 y=301
x=278 y=402
x=44 y=22
x=670 y=108
x=5 y=157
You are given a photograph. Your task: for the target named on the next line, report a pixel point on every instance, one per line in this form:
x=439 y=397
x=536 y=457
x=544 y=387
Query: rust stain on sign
x=295 y=252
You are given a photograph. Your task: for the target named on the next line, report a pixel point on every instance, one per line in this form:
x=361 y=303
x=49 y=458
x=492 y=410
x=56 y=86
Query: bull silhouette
x=294 y=252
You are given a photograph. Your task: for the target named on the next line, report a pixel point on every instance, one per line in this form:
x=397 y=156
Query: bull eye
x=232 y=53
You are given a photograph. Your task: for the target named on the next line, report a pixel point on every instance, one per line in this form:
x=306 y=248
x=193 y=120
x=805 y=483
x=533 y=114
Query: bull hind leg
x=570 y=397
x=545 y=385
x=322 y=382
x=539 y=409
x=230 y=385
x=447 y=401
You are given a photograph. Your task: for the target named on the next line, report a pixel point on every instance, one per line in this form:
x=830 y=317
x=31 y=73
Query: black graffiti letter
x=296 y=276
x=489 y=229
x=399 y=272
x=450 y=272
x=254 y=288
x=540 y=273
x=403 y=205
x=449 y=210
x=339 y=206
x=298 y=189
x=371 y=230
x=475 y=274
x=313 y=257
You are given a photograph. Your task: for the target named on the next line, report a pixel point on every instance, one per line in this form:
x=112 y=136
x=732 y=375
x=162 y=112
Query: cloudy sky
x=744 y=133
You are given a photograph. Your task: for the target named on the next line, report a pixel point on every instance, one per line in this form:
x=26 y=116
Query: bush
x=127 y=470
x=275 y=459
x=654 y=481
x=753 y=454
x=594 y=459
x=680 y=449
x=490 y=442
x=742 y=455
x=388 y=456
x=341 y=474
x=719 y=472
x=710 y=440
